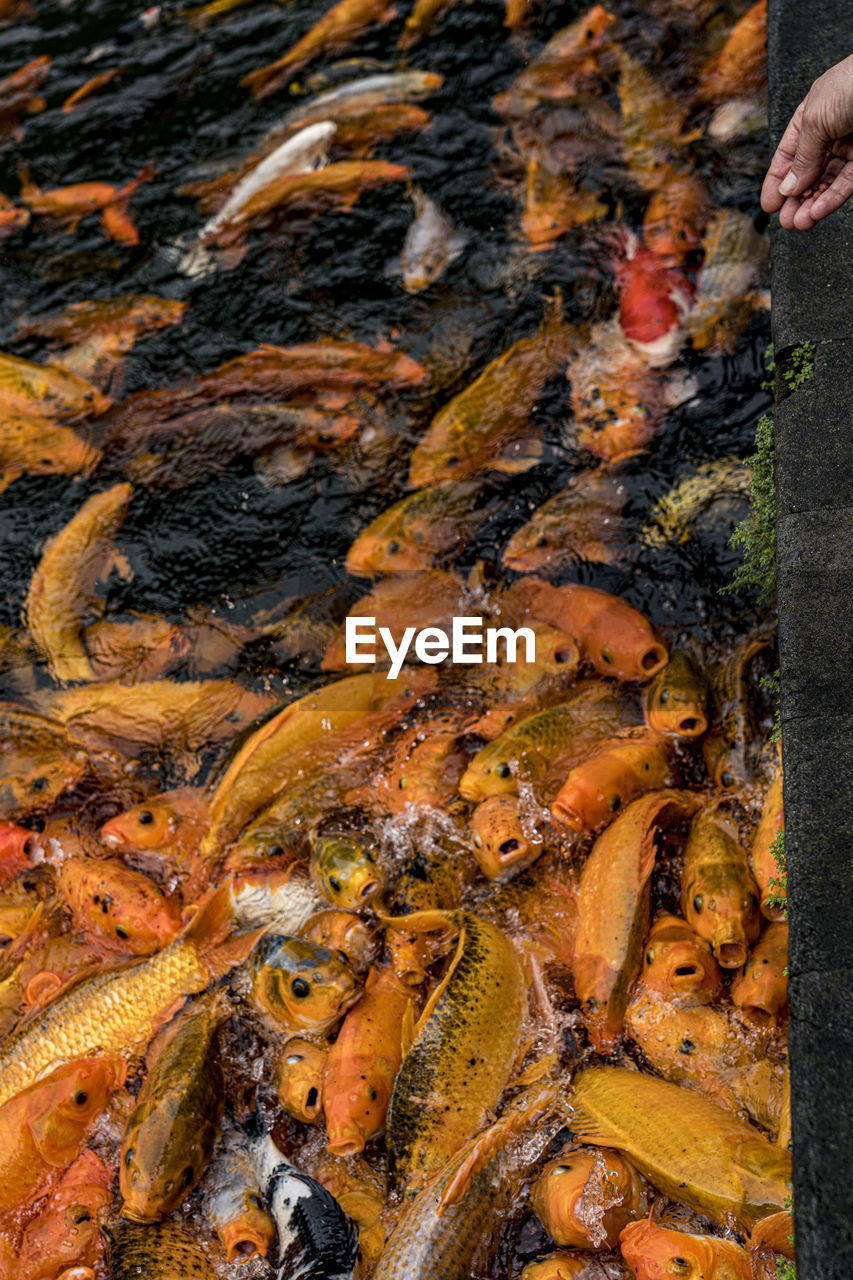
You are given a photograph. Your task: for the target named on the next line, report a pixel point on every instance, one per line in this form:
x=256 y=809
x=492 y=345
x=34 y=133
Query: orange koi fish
x=569 y=62
x=675 y=218
x=740 y=68
x=584 y=1198
x=678 y=964
x=46 y=1124
x=767 y=861
x=363 y=1063
x=618 y=401
x=17 y=92
x=16 y=844
x=112 y=901
x=719 y=897
x=676 y=701
x=501 y=846
x=71 y=204
x=654 y=300
x=611 y=634
x=65 y=1239
x=653 y=1252
x=613 y=909
x=581 y=522
x=761 y=990
x=334 y=31
x=89 y=88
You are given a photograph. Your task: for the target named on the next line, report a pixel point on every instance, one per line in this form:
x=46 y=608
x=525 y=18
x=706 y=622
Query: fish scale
x=463 y=1052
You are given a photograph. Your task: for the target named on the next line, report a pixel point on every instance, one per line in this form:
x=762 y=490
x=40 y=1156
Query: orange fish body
x=558 y=1266
x=44 y=1126
x=678 y=964
x=109 y=899
x=65 y=1238
x=762 y=989
x=501 y=846
x=614 y=775
x=569 y=61
x=141 y=648
x=653 y=301
x=363 y=1063
x=342 y=931
x=611 y=634
x=618 y=403
x=676 y=701
x=613 y=910
x=553 y=204
x=410 y=955
x=719 y=897
x=334 y=31
x=573 y=1187
x=769 y=874
x=74 y=202
x=656 y=1253
x=581 y=522
x=740 y=69
x=299 y=1083
x=394 y=604
x=486 y=426
x=17 y=92
x=424 y=769
x=89 y=88
x=163 y=833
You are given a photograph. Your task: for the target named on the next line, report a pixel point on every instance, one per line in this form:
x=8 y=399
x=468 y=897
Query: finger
x=808 y=162
x=834 y=197
x=788 y=212
x=780 y=165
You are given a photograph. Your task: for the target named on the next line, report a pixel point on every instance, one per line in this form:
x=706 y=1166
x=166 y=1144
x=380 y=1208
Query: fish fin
x=442 y=986
x=528 y=453
x=118 y=560
x=407 y=1029
x=41 y=989
x=233 y=952
x=479 y=1154
x=587 y=1128
x=419 y=921
x=537 y=1070
x=213 y=918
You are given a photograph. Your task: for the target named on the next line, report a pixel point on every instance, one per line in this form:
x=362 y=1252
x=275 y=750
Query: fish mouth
x=243 y=1242
x=311 y=1104
x=349 y=1143
x=567 y=814
x=368 y=889
x=653 y=660
x=692 y=726
x=730 y=953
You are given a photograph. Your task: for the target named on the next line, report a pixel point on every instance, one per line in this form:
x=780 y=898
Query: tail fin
x=213 y=919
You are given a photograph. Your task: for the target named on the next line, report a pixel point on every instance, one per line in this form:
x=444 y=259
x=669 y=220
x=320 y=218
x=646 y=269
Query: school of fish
x=321 y=965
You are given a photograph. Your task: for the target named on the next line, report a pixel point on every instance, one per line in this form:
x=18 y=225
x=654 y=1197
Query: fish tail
x=233 y=952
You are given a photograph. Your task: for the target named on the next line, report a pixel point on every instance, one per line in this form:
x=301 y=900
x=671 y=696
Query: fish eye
x=613 y=803
x=664 y=695
x=293 y=1058
x=81 y=1097
x=343 y=957
x=373 y=1095
x=681 y=1265
x=698 y=902
x=254 y=1200
x=478 y=841
x=300 y=988
x=145 y=816
x=393 y=548
x=334 y=883
x=274 y=851
x=83 y=1215
x=129 y=1156
x=121 y=933
x=650 y=955
x=502 y=770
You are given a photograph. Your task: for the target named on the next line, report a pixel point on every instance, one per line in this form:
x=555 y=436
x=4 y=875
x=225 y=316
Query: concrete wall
x=813 y=299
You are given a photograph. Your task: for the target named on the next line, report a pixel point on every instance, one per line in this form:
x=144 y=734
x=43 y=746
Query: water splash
x=599 y=1194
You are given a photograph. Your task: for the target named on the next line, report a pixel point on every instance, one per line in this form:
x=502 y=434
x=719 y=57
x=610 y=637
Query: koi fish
x=613 y=909
x=31 y=445
x=740 y=68
x=581 y=522
x=726 y=287
x=558 y=1266
x=554 y=203
x=616 y=773
x=162 y=833
x=46 y=390
x=652 y=1250
x=342 y=931
x=112 y=901
x=612 y=634
x=335 y=30
x=47 y=1122
x=464 y=1046
x=719 y=897
x=675 y=218
x=62 y=588
x=365 y=94
x=299 y=1079
x=486 y=426
x=40 y=761
x=362 y=1064
x=16 y=845
x=300 y=986
x=761 y=990
x=766 y=860
x=392 y=603
x=689 y=1148
x=584 y=1198
x=89 y=88
x=71 y=204
x=18 y=92
x=542 y=744
x=424 y=769
x=161 y=1251
x=679 y=964
x=169 y=1137
x=432 y=243
x=654 y=301
x=502 y=847
x=65 y=1238
x=114 y=1012
x=233 y=1200
x=316 y=1240
x=570 y=61
x=344 y=868
x=676 y=701
x=618 y=402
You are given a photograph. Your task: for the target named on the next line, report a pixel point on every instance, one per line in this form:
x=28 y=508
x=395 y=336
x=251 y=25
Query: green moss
x=798 y=366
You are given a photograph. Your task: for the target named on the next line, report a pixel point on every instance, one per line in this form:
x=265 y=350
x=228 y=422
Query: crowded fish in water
x=315 y=964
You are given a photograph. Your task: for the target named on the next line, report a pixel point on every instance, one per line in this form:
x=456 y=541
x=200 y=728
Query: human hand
x=811 y=174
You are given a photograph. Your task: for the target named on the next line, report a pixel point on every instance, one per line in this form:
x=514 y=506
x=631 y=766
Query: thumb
x=808 y=161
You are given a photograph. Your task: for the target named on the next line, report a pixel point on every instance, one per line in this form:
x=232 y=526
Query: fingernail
x=788 y=185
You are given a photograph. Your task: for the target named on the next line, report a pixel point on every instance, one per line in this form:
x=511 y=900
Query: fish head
x=150 y=1187
x=16 y=844
x=359 y=1114
x=250 y=1232
x=492 y=772
x=345 y=933
x=410 y=956
x=300 y=985
x=574 y=1188
x=677 y=700
x=66 y=1104
x=151 y=825
x=560 y=1266
x=109 y=899
x=300 y=1080
x=678 y=962
x=392 y=552
x=654 y=1253
x=500 y=845
x=345 y=870
x=721 y=905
